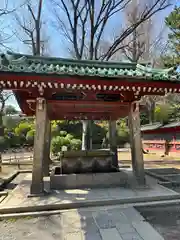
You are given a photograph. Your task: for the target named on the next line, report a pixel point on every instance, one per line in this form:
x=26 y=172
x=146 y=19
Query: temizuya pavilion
x=55 y=88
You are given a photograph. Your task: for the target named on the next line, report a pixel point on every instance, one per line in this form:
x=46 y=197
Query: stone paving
x=18 y=197
x=98 y=223
x=117 y=222
x=121 y=222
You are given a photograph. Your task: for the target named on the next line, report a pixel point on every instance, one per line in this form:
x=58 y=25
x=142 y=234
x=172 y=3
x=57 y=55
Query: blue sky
x=57 y=43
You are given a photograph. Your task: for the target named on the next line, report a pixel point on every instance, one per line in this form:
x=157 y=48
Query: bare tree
x=5 y=12
x=30 y=24
x=83 y=23
x=141 y=45
x=146 y=39
x=4 y=95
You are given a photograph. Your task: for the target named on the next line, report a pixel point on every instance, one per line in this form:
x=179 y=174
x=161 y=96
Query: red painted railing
x=159 y=145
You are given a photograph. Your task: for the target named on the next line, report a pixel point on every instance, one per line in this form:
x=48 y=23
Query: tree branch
x=4 y=96
x=39 y=10
x=146 y=14
x=31 y=11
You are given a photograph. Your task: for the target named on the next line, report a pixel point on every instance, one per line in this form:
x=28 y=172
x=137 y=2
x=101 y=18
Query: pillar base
x=143 y=187
x=44 y=193
x=37 y=188
x=136 y=183
x=141 y=181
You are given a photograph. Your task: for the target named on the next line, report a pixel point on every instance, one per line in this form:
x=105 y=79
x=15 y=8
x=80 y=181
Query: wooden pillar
x=1 y=140
x=90 y=134
x=37 y=186
x=0 y=162
x=47 y=147
x=86 y=135
x=136 y=143
x=113 y=142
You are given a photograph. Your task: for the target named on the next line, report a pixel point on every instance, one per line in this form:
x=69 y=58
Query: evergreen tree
x=173 y=23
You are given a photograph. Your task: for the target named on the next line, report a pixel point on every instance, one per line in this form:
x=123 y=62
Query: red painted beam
x=83 y=117
x=91 y=80
x=89 y=103
x=81 y=111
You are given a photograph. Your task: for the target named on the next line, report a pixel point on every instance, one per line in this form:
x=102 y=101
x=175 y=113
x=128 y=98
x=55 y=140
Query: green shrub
x=98 y=133
x=57 y=143
x=122 y=136
x=3 y=143
x=163 y=113
x=69 y=136
x=10 y=122
x=30 y=136
x=75 y=144
x=22 y=129
x=63 y=133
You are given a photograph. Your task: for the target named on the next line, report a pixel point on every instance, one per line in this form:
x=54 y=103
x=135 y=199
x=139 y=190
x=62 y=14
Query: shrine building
x=55 y=88
x=156 y=135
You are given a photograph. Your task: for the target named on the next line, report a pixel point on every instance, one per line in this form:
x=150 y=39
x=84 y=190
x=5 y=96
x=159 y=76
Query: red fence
x=159 y=145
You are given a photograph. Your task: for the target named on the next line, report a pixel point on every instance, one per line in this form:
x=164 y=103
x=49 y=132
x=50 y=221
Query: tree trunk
x=86 y=135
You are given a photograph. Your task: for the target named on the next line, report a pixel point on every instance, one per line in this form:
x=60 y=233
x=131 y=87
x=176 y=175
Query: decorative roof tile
x=171 y=125
x=12 y=62
x=155 y=126
x=149 y=127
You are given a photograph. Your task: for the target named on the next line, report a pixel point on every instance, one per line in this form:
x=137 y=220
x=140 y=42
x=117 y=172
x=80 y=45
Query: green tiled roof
x=11 y=62
x=155 y=126
x=149 y=127
x=171 y=125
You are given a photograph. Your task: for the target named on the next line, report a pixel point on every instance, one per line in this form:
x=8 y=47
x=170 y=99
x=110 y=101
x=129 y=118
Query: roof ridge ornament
x=154 y=70
x=9 y=59
x=21 y=60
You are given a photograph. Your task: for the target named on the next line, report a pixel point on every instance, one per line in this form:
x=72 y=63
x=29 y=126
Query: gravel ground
x=8 y=170
x=45 y=228
x=64 y=226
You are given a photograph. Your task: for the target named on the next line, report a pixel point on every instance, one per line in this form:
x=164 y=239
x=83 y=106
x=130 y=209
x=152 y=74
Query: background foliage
x=20 y=131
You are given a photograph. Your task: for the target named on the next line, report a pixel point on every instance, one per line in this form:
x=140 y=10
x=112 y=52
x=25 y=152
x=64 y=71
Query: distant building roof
x=149 y=127
x=157 y=126
x=170 y=125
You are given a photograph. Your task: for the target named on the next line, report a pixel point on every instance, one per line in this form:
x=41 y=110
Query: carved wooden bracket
x=41 y=103
x=41 y=90
x=30 y=102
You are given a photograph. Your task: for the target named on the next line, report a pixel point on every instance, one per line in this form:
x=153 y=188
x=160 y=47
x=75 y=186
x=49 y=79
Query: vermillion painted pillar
x=136 y=143
x=113 y=142
x=47 y=159
x=37 y=186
